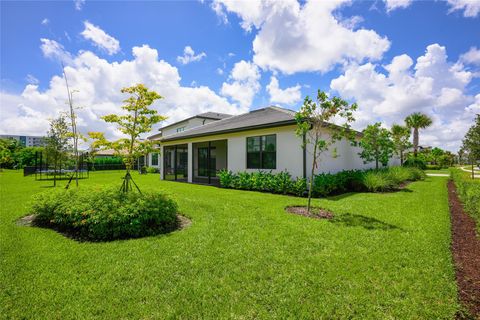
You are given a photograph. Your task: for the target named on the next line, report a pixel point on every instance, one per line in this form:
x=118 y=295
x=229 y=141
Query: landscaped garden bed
x=324 y=184
x=104 y=214
x=466 y=254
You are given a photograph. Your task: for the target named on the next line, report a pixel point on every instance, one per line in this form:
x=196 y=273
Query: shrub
x=101 y=214
x=378 y=181
x=433 y=167
x=152 y=170
x=299 y=187
x=469 y=192
x=226 y=178
x=282 y=182
x=416 y=163
x=416 y=174
x=325 y=184
x=398 y=174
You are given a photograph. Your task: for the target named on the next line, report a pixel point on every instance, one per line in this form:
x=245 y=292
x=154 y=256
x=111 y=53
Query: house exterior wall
x=341 y=156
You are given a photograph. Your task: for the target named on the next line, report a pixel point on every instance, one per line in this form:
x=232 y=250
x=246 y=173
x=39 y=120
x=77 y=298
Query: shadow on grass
x=356 y=220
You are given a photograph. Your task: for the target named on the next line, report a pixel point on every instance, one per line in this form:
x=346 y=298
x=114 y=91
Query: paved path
x=438 y=175
x=476 y=172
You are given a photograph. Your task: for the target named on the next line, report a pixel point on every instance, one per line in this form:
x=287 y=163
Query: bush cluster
x=415 y=163
x=101 y=214
x=263 y=181
x=469 y=192
x=324 y=184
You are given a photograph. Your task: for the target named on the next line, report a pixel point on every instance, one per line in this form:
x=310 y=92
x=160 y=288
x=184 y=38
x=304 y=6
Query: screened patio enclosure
x=209 y=158
x=175 y=162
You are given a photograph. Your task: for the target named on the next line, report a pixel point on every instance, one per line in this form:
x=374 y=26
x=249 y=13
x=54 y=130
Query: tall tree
x=377 y=145
x=314 y=128
x=57 y=144
x=471 y=143
x=400 y=136
x=137 y=120
x=417 y=121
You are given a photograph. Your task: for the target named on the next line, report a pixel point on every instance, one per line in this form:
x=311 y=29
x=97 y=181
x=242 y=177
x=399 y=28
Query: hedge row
x=469 y=192
x=324 y=184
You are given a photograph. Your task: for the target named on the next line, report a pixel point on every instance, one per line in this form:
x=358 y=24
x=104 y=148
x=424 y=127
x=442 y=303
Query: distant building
x=27 y=141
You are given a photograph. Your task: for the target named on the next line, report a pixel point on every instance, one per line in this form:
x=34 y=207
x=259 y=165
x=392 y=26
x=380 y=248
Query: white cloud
x=45 y=22
x=100 y=38
x=189 y=56
x=31 y=79
x=432 y=85
x=397 y=4
x=243 y=84
x=470 y=8
x=472 y=56
x=289 y=95
x=53 y=50
x=78 y=4
x=220 y=71
x=293 y=38
x=98 y=83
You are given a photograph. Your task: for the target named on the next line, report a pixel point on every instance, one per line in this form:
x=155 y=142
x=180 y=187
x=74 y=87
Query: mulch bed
x=466 y=255
x=29 y=221
x=315 y=213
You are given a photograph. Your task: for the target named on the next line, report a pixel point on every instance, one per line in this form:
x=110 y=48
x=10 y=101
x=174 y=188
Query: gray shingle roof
x=266 y=117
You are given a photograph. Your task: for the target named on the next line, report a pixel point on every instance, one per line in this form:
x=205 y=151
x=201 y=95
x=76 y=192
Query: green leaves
x=137 y=120
x=377 y=145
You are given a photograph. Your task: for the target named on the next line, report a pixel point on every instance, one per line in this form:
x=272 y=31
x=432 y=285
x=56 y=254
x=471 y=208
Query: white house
x=197 y=148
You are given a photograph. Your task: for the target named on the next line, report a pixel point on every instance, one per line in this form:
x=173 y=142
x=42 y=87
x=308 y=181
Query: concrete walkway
x=476 y=172
x=438 y=175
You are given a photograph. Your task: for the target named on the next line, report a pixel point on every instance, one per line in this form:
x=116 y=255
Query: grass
x=384 y=256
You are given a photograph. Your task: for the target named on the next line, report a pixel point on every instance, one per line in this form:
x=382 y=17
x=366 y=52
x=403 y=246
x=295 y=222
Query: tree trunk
x=314 y=164
x=415 y=142
x=473 y=172
x=401 y=157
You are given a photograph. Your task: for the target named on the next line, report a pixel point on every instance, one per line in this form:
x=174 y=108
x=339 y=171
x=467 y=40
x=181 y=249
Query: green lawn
x=385 y=256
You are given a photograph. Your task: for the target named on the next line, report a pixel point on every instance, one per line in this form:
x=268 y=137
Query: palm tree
x=417 y=121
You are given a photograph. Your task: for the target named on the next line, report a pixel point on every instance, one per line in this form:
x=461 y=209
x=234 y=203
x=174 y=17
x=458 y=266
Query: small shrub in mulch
x=466 y=255
x=316 y=213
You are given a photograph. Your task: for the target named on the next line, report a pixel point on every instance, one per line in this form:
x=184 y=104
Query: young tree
x=436 y=154
x=417 y=121
x=57 y=143
x=138 y=120
x=377 y=145
x=313 y=127
x=471 y=143
x=400 y=137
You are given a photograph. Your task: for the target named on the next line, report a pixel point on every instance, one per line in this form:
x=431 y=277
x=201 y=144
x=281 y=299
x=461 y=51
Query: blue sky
x=245 y=57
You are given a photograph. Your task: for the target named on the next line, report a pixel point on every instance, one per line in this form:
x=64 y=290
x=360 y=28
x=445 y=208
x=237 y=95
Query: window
x=180 y=129
x=154 y=159
x=262 y=152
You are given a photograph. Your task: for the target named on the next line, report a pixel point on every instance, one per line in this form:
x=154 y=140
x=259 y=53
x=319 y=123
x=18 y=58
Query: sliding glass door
x=175 y=162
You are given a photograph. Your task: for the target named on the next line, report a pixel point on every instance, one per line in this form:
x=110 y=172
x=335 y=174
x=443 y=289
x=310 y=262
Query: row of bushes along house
x=324 y=184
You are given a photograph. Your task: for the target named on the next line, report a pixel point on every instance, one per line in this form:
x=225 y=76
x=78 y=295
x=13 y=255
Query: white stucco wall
x=289 y=152
x=188 y=124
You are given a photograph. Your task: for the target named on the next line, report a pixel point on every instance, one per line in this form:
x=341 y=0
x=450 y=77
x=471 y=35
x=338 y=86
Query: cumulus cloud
x=470 y=8
x=397 y=4
x=243 y=83
x=53 y=50
x=100 y=38
x=189 y=56
x=293 y=38
x=432 y=85
x=98 y=83
x=472 y=56
x=287 y=96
